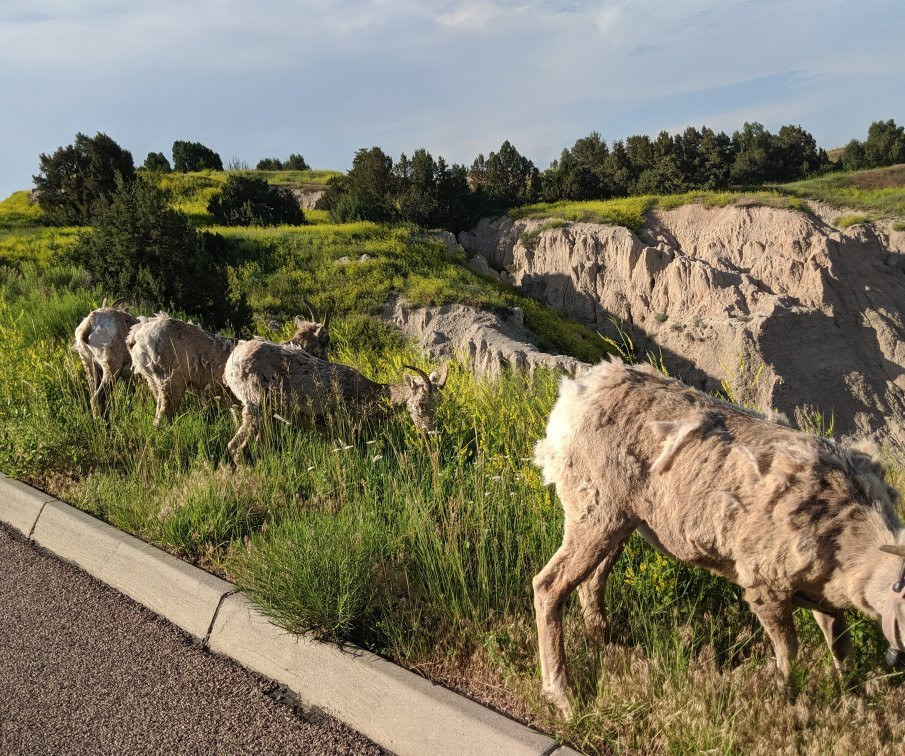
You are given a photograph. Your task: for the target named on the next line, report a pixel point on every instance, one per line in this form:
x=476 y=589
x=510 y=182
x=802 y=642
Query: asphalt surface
x=85 y=670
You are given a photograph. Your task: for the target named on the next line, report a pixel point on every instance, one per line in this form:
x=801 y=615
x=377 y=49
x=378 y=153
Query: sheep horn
x=894 y=548
x=121 y=301
x=327 y=319
x=420 y=372
x=311 y=311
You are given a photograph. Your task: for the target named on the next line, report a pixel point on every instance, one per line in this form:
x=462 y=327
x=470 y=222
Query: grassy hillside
x=631 y=211
x=880 y=192
x=421 y=549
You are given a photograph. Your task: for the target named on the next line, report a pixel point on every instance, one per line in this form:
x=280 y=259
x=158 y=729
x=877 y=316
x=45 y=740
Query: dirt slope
x=790 y=311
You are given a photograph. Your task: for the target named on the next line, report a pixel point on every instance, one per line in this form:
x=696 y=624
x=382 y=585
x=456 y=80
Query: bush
x=75 y=178
x=156 y=162
x=194 y=156
x=296 y=163
x=249 y=201
x=140 y=247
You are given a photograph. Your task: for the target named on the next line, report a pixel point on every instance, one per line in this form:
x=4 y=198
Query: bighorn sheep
x=288 y=380
x=100 y=341
x=793 y=519
x=312 y=335
x=173 y=356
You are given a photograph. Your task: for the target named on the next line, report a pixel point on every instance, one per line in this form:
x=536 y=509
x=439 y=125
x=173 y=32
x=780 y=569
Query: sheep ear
x=894 y=548
x=298 y=321
x=444 y=373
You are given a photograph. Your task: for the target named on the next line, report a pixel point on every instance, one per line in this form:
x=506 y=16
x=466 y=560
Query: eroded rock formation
x=488 y=341
x=788 y=310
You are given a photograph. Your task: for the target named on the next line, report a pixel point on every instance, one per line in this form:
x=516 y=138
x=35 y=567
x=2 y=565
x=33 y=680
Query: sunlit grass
x=18 y=211
x=631 y=211
x=421 y=549
x=879 y=193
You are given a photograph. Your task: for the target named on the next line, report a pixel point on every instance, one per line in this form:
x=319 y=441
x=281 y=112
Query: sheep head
x=420 y=393
x=311 y=335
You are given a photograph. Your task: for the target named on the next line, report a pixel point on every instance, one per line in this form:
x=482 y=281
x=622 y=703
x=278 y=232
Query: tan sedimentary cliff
x=489 y=342
x=787 y=309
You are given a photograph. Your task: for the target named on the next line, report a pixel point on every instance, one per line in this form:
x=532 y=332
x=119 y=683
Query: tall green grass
x=422 y=549
x=631 y=211
x=879 y=193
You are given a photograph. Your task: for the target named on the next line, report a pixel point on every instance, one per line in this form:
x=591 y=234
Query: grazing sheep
x=100 y=341
x=174 y=356
x=288 y=380
x=312 y=335
x=793 y=519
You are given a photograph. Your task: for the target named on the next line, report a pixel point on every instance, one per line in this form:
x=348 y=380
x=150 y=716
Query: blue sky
x=253 y=80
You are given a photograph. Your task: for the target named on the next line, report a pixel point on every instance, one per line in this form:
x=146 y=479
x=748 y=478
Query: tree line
x=433 y=193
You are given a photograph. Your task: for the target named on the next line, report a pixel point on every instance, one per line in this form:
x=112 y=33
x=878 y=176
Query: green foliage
x=269 y=164
x=422 y=549
x=20 y=211
x=194 y=156
x=627 y=211
x=530 y=238
x=143 y=249
x=877 y=193
x=75 y=178
x=885 y=145
x=156 y=162
x=250 y=201
x=674 y=163
x=418 y=190
x=295 y=163
x=845 y=221
x=505 y=179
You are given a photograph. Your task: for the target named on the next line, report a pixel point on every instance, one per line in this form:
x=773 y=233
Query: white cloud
x=454 y=76
x=470 y=15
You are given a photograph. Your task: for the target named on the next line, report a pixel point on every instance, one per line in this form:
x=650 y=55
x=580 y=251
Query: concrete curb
x=185 y=595
x=393 y=707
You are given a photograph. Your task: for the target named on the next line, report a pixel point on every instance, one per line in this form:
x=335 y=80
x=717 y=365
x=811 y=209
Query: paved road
x=85 y=670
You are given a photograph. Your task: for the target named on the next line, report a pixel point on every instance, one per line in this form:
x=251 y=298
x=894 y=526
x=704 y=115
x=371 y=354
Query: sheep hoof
x=560 y=701
x=598 y=630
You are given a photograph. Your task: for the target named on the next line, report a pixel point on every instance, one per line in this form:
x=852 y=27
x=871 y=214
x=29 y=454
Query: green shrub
x=194 y=156
x=143 y=249
x=75 y=178
x=250 y=201
x=156 y=162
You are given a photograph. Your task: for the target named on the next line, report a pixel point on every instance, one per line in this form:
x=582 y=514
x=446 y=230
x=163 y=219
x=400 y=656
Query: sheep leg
x=173 y=400
x=775 y=614
x=250 y=420
x=93 y=372
x=160 y=398
x=102 y=393
x=835 y=631
x=584 y=547
x=591 y=595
